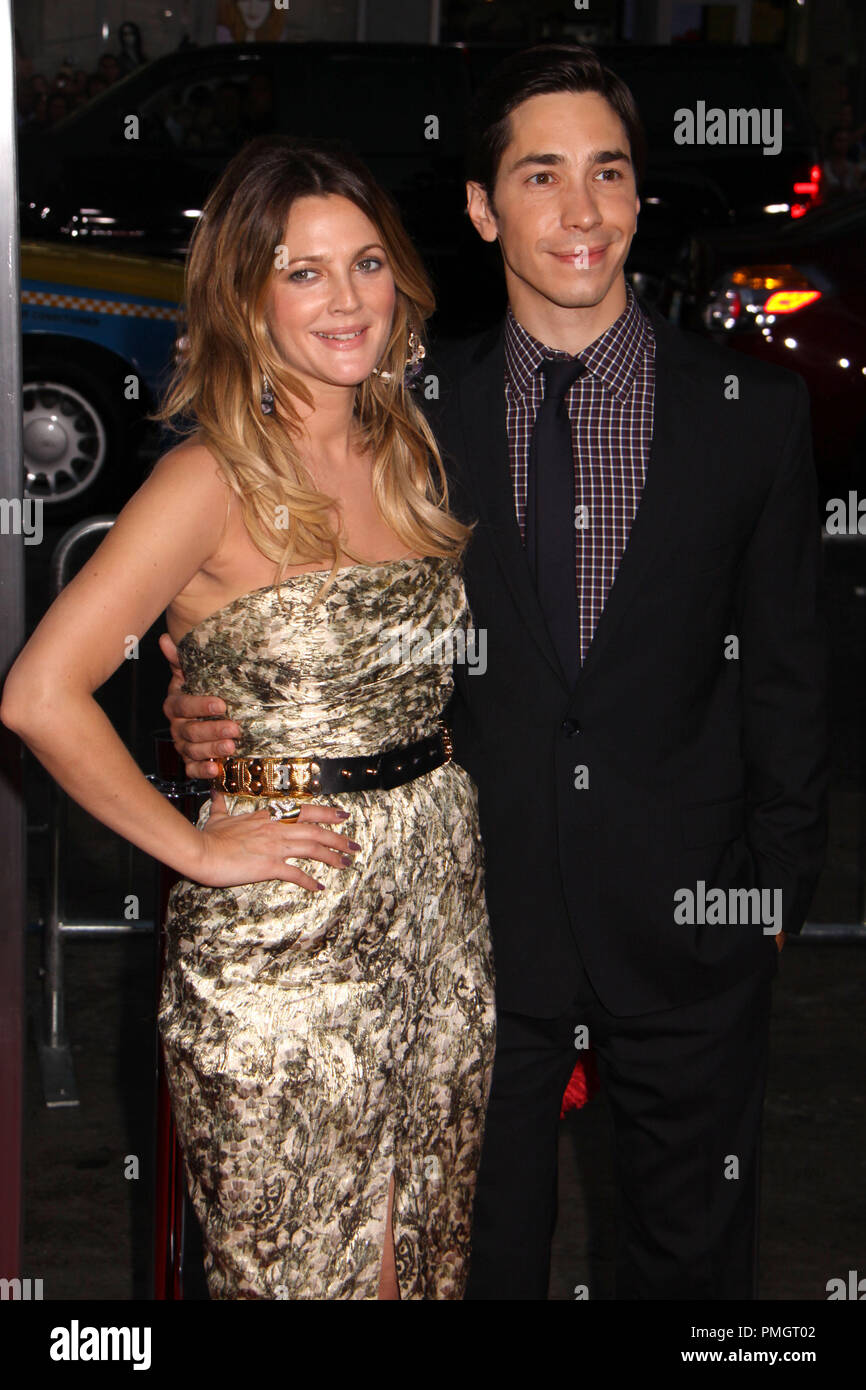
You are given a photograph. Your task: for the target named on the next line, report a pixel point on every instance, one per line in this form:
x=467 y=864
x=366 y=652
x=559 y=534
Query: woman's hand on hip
x=251 y=847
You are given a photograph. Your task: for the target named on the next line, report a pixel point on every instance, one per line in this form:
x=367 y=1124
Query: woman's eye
x=371 y=263
x=300 y=275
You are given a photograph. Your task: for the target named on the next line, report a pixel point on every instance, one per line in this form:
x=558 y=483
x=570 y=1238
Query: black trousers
x=685 y=1091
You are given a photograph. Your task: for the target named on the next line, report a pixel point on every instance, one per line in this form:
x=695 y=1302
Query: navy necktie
x=550 y=508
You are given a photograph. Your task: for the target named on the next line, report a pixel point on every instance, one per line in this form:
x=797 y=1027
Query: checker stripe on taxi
x=99 y=306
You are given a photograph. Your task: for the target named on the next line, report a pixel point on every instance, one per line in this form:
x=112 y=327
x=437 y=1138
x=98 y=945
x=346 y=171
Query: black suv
x=104 y=178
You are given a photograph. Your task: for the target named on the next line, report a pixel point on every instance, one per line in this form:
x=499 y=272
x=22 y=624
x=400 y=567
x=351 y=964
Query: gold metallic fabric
x=316 y=1043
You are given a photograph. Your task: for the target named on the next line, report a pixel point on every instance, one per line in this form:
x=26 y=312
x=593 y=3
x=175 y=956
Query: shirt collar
x=613 y=357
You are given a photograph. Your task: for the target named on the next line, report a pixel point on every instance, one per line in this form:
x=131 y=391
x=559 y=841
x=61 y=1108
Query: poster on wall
x=251 y=21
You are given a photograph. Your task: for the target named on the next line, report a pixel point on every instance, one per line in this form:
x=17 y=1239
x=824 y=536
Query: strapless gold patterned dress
x=317 y=1042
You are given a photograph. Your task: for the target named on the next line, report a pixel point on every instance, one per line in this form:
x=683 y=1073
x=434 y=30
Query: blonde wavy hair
x=215 y=392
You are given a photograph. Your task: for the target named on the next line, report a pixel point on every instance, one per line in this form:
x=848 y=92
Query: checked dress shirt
x=611 y=413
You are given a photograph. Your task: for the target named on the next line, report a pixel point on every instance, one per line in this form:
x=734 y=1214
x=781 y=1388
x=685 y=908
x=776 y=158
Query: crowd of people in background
x=215 y=118
x=43 y=101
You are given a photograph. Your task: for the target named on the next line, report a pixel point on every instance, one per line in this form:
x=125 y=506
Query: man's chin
x=577 y=296
x=581 y=289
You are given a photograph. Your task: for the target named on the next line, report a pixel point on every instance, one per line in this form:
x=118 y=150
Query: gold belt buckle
x=260 y=777
x=296 y=776
x=255 y=777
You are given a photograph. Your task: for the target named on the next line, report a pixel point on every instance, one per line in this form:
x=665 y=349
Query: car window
x=381 y=102
x=211 y=114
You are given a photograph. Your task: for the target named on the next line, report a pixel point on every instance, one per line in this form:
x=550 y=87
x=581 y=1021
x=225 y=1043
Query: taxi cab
x=99 y=336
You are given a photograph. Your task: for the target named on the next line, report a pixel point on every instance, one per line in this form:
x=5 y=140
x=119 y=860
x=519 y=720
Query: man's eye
x=544 y=174
x=615 y=175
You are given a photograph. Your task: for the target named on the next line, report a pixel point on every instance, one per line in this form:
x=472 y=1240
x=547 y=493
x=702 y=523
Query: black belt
x=302 y=778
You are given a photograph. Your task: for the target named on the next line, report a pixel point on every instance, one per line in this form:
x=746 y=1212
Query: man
x=648 y=738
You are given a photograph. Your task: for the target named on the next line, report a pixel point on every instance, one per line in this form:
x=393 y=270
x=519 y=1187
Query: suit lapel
x=676 y=428
x=481 y=406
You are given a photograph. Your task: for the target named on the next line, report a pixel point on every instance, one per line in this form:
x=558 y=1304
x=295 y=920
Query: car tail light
x=788 y=301
x=808 y=192
x=752 y=296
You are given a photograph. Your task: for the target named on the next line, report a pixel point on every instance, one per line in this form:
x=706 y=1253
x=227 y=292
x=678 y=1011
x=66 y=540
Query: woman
x=328 y=1039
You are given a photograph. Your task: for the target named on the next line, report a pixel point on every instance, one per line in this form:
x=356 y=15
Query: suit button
x=570 y=727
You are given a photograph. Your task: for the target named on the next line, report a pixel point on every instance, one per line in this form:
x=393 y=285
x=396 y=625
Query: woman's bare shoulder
x=190 y=469
x=180 y=512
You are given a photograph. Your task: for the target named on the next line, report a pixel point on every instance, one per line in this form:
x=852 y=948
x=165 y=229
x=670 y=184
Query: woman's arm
x=160 y=540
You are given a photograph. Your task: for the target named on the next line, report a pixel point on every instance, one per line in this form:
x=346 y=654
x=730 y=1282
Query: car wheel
x=73 y=436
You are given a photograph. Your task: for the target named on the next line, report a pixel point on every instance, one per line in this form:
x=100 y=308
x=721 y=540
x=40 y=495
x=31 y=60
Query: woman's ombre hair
x=216 y=389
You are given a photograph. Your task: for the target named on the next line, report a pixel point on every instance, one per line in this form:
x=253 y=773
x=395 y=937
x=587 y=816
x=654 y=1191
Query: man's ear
x=480 y=213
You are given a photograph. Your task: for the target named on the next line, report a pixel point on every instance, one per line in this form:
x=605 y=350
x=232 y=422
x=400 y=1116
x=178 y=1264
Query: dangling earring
x=412 y=365
x=267 y=397
x=417 y=353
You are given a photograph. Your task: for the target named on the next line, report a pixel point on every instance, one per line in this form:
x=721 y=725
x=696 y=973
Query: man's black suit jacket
x=701 y=766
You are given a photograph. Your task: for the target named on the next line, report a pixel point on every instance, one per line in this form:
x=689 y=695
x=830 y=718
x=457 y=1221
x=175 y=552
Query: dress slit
x=388 y=1225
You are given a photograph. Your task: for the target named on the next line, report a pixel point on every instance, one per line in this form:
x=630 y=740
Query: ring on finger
x=284 y=810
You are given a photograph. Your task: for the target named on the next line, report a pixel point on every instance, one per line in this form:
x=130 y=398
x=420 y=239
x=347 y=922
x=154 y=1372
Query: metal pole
x=435 y=21
x=13 y=877
x=53 y=952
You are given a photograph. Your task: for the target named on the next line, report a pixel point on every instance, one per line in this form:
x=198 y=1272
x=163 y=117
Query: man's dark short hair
x=549 y=67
